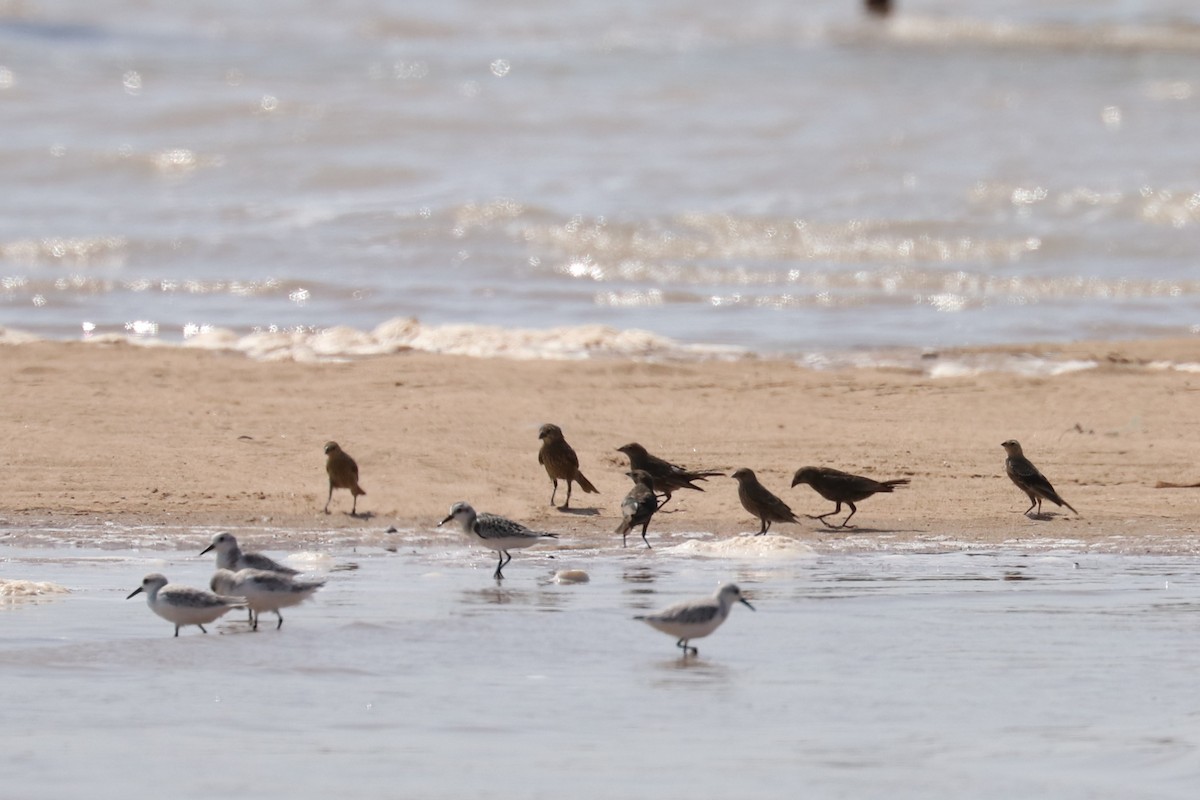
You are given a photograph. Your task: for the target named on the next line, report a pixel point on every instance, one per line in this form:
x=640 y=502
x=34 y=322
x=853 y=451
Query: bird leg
x=682 y=643
x=822 y=517
x=327 y=499
x=1034 y=501
x=566 y=503
x=177 y=631
x=354 y=507
x=198 y=625
x=853 y=511
x=280 y=624
x=766 y=526
x=254 y=621
x=666 y=499
x=500 y=566
x=554 y=491
x=644 y=527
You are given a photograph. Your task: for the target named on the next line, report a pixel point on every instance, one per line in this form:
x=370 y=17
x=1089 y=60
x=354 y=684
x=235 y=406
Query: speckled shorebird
x=638 y=506
x=343 y=474
x=264 y=590
x=695 y=619
x=561 y=462
x=1028 y=479
x=842 y=487
x=231 y=557
x=183 y=605
x=494 y=532
x=667 y=476
x=759 y=501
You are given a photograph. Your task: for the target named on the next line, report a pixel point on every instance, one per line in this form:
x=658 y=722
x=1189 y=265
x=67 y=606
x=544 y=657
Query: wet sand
x=176 y=437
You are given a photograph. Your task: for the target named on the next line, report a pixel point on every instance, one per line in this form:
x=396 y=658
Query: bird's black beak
x=135 y=591
x=795 y=481
x=447 y=519
x=205 y=550
x=746 y=603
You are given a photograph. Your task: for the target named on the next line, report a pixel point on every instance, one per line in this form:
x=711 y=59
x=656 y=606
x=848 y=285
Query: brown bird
x=560 y=461
x=667 y=476
x=639 y=505
x=842 y=487
x=1028 y=479
x=343 y=474
x=759 y=501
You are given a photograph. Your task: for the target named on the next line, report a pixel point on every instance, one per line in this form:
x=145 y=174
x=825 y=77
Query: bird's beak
x=205 y=550
x=746 y=603
x=135 y=591
x=447 y=519
x=795 y=481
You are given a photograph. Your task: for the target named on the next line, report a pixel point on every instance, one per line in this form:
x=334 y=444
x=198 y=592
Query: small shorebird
x=1028 y=479
x=695 y=619
x=759 y=501
x=842 y=487
x=638 y=506
x=560 y=461
x=183 y=605
x=232 y=558
x=667 y=476
x=343 y=474
x=494 y=532
x=264 y=590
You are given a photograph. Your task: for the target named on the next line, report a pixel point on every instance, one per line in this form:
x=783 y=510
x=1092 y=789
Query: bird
x=231 y=557
x=667 y=476
x=560 y=461
x=263 y=590
x=759 y=501
x=842 y=487
x=494 y=532
x=1028 y=479
x=695 y=619
x=639 y=505
x=343 y=474
x=183 y=605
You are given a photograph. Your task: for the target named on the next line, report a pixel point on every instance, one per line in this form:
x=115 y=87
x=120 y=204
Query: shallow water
x=413 y=673
x=780 y=177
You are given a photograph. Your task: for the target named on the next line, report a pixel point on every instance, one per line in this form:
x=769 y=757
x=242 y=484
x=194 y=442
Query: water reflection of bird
x=695 y=619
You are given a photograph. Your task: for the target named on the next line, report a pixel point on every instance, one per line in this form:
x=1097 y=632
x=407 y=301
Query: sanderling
x=264 y=590
x=694 y=619
x=231 y=557
x=498 y=533
x=183 y=605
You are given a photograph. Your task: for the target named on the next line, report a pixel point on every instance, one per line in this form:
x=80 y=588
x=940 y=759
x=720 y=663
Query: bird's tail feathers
x=625 y=527
x=585 y=484
x=896 y=482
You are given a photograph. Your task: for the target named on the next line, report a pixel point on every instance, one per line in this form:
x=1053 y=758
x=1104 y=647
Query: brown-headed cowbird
x=639 y=505
x=343 y=474
x=667 y=476
x=1028 y=479
x=560 y=461
x=842 y=487
x=759 y=501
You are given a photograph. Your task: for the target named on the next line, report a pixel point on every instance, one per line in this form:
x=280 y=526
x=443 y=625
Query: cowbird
x=667 y=476
x=1028 y=479
x=759 y=501
x=343 y=474
x=560 y=461
x=842 y=487
x=494 y=532
x=638 y=506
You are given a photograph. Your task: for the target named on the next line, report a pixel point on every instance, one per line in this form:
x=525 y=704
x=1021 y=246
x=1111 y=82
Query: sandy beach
x=174 y=437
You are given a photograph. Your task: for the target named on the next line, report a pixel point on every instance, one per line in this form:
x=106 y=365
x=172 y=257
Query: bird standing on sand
x=263 y=590
x=759 y=501
x=343 y=474
x=1028 y=479
x=183 y=605
x=842 y=487
x=667 y=476
x=638 y=506
x=694 y=619
x=560 y=461
x=496 y=533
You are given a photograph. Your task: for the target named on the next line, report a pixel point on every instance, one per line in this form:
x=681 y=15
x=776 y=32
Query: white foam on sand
x=20 y=589
x=744 y=546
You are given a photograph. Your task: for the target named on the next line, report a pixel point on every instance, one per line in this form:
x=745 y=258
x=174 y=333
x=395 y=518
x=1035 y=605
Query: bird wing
x=770 y=503
x=688 y=613
x=491 y=526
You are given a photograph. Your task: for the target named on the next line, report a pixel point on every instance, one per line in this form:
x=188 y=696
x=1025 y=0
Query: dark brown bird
x=759 y=501
x=560 y=461
x=667 y=476
x=639 y=505
x=343 y=474
x=842 y=487
x=1028 y=479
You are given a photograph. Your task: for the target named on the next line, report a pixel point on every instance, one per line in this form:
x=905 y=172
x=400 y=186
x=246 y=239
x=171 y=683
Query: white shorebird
x=498 y=533
x=264 y=590
x=694 y=619
x=232 y=558
x=183 y=605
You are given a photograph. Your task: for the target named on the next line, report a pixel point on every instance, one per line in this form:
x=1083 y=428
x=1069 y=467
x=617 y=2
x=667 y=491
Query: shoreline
x=175 y=438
